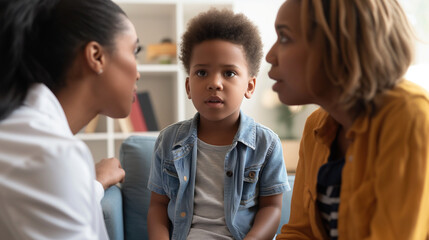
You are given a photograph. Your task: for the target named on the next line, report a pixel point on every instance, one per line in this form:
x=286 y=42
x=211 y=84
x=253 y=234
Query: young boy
x=219 y=175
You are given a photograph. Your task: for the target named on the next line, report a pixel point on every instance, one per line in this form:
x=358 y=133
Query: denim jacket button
x=185 y=178
x=183 y=214
x=252 y=174
x=229 y=173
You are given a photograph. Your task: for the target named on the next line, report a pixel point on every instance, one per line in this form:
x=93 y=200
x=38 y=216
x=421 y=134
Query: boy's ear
x=250 y=88
x=188 y=89
x=95 y=56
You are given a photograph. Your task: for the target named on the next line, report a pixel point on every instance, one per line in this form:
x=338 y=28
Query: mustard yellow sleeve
x=299 y=225
x=401 y=181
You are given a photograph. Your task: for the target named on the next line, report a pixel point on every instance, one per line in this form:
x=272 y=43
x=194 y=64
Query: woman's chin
x=287 y=100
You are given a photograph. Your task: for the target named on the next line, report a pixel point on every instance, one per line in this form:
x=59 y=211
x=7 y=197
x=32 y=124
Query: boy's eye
x=230 y=74
x=201 y=73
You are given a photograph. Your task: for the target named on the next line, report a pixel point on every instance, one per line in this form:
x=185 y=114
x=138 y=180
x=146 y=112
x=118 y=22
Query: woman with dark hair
x=62 y=62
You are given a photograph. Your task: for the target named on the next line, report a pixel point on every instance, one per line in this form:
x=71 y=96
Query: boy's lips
x=214 y=100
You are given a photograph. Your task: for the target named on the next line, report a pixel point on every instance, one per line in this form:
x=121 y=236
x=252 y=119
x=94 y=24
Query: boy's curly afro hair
x=223 y=25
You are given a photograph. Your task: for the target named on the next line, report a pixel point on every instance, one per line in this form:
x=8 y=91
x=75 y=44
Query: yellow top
x=385 y=179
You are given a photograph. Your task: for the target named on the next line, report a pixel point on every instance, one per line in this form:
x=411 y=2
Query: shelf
x=92 y=136
x=144 y=9
x=123 y=136
x=158 y=68
x=144 y=2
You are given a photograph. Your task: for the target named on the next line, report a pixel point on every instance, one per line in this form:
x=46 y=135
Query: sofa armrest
x=112 y=212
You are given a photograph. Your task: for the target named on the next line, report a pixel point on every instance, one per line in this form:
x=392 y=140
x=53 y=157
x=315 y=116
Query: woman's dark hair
x=223 y=25
x=39 y=39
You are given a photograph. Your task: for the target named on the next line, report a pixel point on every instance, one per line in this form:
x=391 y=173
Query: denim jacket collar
x=246 y=133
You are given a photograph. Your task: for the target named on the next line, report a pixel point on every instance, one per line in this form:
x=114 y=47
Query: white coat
x=47 y=177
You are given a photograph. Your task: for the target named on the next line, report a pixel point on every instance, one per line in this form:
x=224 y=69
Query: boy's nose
x=215 y=83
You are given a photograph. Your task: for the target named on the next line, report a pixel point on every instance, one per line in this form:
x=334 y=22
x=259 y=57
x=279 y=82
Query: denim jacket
x=254 y=167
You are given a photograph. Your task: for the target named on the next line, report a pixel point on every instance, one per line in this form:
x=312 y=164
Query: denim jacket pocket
x=171 y=179
x=250 y=186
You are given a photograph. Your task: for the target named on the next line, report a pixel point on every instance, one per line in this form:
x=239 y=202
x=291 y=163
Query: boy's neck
x=216 y=133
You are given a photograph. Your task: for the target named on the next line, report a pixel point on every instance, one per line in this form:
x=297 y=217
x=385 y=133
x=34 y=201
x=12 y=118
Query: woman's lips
x=276 y=86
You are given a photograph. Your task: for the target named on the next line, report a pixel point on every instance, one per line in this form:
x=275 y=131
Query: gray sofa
x=125 y=208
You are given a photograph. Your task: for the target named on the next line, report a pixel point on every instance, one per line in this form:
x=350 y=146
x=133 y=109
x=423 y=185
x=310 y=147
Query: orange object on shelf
x=161 y=53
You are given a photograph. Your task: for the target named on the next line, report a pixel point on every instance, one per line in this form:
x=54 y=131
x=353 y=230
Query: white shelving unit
x=154 y=20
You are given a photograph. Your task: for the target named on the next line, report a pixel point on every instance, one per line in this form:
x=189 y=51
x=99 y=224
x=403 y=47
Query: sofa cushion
x=136 y=156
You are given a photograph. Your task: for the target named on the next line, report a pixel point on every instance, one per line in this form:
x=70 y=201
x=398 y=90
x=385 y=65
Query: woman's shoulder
x=41 y=153
x=406 y=98
x=28 y=132
x=317 y=118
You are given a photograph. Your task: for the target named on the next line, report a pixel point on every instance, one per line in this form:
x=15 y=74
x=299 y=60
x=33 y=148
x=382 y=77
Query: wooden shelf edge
x=158 y=68
x=92 y=136
x=122 y=136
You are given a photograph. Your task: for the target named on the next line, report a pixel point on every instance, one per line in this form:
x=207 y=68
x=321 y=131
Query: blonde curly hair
x=367 y=45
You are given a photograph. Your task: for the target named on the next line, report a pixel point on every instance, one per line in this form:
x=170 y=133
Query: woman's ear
x=95 y=56
x=250 y=88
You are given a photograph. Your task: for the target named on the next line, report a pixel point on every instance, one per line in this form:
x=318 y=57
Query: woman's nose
x=270 y=58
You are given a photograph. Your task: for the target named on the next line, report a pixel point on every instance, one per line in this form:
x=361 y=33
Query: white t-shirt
x=47 y=178
x=208 y=220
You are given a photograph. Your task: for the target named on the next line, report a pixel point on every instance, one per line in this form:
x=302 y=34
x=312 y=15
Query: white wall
x=418 y=14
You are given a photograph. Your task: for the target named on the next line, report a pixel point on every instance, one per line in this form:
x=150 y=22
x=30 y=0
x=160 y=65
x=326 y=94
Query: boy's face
x=218 y=80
